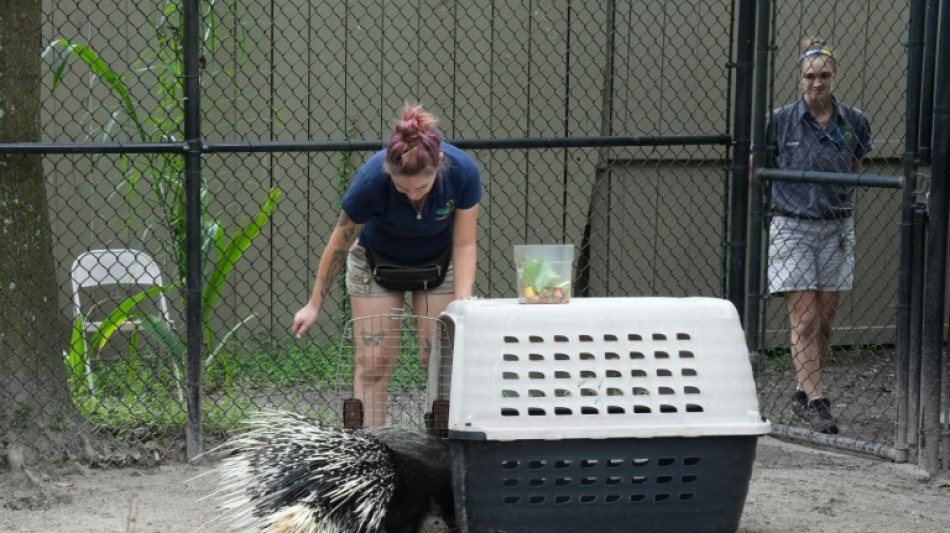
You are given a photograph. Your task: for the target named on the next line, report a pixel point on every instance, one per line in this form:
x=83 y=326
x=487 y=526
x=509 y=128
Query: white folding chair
x=115 y=267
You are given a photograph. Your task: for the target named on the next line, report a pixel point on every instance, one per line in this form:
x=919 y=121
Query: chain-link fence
x=608 y=126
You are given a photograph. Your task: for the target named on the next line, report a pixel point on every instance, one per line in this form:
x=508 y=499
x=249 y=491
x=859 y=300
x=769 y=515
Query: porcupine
x=291 y=474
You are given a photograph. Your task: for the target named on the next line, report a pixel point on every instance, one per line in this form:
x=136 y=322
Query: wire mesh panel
x=858 y=369
x=382 y=366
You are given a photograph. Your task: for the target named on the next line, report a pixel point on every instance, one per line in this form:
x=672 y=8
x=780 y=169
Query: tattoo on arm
x=348 y=227
x=336 y=263
x=349 y=231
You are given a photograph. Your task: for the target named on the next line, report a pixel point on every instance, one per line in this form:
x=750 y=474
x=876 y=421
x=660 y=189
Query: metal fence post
x=927 y=82
x=193 y=223
x=754 y=293
x=915 y=332
x=931 y=363
x=739 y=202
x=905 y=265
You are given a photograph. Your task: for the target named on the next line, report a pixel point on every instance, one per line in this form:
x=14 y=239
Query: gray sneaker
x=817 y=413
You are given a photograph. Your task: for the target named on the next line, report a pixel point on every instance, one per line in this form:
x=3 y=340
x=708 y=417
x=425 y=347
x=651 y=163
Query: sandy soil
x=793 y=489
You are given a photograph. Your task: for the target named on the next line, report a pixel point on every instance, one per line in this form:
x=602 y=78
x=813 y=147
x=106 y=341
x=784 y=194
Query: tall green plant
x=80 y=353
x=227 y=253
x=154 y=183
x=161 y=68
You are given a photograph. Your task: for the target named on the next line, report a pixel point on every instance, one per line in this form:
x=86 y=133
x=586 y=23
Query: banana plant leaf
x=122 y=314
x=229 y=254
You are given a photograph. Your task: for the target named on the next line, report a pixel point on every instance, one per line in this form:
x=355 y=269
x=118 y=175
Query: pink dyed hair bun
x=413 y=146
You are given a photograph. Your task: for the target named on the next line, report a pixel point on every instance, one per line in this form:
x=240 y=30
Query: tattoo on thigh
x=372 y=339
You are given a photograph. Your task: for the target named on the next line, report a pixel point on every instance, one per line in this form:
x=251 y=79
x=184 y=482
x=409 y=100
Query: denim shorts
x=813 y=255
x=360 y=282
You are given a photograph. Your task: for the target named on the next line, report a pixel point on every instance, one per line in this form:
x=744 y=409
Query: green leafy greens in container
x=542 y=283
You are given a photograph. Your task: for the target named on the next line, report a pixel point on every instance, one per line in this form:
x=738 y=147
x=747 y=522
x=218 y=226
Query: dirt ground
x=794 y=488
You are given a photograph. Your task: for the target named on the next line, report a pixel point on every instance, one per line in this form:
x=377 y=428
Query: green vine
x=344 y=177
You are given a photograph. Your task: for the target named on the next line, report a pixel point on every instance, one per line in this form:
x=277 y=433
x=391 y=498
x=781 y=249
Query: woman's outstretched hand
x=304 y=319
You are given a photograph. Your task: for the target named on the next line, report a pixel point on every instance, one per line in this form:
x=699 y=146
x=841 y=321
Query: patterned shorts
x=810 y=255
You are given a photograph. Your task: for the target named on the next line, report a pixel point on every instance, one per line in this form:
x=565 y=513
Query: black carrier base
x=668 y=484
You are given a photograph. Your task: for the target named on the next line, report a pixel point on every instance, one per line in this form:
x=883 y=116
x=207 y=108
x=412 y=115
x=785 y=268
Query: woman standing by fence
x=811 y=235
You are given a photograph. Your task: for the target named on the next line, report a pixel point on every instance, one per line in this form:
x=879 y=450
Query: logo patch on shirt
x=848 y=138
x=444 y=212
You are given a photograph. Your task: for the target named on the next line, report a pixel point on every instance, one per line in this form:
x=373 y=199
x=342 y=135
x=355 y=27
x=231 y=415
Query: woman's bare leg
x=811 y=316
x=431 y=306
x=376 y=345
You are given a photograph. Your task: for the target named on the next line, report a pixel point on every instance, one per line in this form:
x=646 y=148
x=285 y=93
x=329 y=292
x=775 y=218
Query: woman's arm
x=464 y=250
x=331 y=262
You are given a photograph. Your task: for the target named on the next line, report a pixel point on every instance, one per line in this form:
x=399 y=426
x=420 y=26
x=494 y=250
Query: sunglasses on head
x=823 y=76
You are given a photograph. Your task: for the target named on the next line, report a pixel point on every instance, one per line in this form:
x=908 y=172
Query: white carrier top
x=598 y=368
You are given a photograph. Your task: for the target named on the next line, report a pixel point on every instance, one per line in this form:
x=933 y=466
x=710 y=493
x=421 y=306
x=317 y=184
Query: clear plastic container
x=545 y=273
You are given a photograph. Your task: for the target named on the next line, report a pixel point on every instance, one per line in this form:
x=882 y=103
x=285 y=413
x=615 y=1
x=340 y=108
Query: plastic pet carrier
x=605 y=414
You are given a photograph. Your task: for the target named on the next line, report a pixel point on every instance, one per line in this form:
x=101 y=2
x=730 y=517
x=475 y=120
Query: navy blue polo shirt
x=390 y=223
x=801 y=143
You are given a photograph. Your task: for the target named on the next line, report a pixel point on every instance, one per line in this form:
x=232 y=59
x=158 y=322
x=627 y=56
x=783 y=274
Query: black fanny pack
x=402 y=276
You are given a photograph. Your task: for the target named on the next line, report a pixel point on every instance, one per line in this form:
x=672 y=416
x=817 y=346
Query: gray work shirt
x=801 y=143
